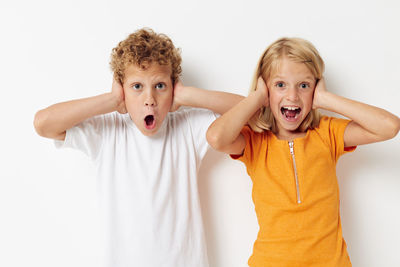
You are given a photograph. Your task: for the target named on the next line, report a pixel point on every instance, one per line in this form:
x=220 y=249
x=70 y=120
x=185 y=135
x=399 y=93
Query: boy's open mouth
x=150 y=122
x=290 y=112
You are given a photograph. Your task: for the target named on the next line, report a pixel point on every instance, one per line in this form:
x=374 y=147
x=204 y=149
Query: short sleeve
x=86 y=136
x=199 y=121
x=334 y=128
x=253 y=145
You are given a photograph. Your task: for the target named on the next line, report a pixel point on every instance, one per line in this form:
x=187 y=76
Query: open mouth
x=150 y=122
x=290 y=113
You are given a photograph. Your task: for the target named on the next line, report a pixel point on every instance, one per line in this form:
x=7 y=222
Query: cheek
x=167 y=98
x=164 y=103
x=274 y=99
x=307 y=99
x=132 y=103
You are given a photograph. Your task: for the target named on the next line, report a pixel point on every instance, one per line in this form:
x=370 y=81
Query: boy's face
x=291 y=89
x=148 y=96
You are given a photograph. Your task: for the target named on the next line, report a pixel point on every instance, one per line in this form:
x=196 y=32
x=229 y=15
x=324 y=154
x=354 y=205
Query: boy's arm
x=224 y=133
x=369 y=124
x=218 y=102
x=54 y=121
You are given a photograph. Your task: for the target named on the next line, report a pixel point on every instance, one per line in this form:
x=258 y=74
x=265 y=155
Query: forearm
x=53 y=121
x=224 y=131
x=218 y=102
x=378 y=122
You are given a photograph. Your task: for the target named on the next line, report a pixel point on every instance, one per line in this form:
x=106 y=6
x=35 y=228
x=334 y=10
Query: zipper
x=295 y=172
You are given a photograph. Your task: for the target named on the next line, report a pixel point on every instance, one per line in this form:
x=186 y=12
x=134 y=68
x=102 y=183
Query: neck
x=290 y=135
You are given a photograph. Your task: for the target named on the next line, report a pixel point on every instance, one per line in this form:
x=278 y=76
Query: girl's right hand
x=118 y=92
x=262 y=91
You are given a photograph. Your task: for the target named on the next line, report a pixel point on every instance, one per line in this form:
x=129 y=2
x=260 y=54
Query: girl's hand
x=262 y=91
x=118 y=92
x=319 y=91
x=178 y=91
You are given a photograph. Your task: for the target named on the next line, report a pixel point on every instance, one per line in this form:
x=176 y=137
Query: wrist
x=260 y=98
x=183 y=95
x=114 y=100
x=325 y=100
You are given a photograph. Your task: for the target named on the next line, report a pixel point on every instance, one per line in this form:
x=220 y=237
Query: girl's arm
x=53 y=121
x=369 y=124
x=224 y=133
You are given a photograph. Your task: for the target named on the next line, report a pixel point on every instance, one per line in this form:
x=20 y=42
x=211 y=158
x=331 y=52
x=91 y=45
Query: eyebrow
x=280 y=77
x=155 y=80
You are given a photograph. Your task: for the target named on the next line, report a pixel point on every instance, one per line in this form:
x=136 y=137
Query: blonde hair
x=298 y=50
x=143 y=47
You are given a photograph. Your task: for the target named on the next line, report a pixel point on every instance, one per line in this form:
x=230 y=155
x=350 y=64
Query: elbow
x=39 y=123
x=393 y=128
x=214 y=139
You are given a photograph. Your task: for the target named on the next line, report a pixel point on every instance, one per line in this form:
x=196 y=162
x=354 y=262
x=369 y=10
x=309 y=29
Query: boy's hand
x=319 y=91
x=262 y=91
x=178 y=91
x=118 y=92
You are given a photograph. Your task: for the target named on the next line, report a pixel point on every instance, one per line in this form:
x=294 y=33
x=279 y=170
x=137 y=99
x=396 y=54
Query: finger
x=178 y=83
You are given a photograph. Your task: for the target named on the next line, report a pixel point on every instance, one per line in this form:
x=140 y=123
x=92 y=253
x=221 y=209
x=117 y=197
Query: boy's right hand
x=262 y=91
x=118 y=92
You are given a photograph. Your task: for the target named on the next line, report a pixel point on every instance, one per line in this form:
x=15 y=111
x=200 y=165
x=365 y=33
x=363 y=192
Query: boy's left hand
x=320 y=89
x=178 y=90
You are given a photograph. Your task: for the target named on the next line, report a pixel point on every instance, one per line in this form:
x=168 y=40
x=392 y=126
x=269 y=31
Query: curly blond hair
x=298 y=50
x=143 y=47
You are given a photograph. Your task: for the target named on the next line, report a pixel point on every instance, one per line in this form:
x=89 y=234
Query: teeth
x=291 y=108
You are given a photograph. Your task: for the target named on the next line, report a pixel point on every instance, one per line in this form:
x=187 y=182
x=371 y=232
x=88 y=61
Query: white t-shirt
x=148 y=187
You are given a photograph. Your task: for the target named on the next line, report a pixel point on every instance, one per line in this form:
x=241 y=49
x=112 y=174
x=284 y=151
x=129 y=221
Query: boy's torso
x=148 y=190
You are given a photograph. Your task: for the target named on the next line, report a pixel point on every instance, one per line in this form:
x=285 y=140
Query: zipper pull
x=291 y=147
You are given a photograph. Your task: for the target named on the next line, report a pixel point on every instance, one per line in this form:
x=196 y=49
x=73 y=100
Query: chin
x=149 y=133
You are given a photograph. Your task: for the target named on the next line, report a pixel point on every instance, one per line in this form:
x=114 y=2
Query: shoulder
x=331 y=132
x=327 y=124
x=192 y=116
x=193 y=113
x=105 y=122
x=255 y=141
x=248 y=133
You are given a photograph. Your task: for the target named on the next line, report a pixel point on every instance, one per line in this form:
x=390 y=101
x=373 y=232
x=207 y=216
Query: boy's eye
x=304 y=85
x=137 y=86
x=160 y=86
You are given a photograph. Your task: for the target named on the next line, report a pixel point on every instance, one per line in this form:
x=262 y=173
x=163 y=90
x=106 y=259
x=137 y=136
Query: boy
x=147 y=159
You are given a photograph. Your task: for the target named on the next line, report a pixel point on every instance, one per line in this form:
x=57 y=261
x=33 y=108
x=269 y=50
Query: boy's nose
x=149 y=100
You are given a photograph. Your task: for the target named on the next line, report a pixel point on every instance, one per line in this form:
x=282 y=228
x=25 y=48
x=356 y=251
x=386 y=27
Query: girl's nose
x=292 y=94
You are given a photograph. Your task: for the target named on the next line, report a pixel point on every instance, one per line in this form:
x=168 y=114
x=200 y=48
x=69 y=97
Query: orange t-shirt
x=297 y=211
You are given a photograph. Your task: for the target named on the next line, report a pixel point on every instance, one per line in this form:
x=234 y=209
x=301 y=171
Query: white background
x=52 y=51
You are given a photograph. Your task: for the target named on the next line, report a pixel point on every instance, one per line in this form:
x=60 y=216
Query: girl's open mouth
x=150 y=122
x=290 y=113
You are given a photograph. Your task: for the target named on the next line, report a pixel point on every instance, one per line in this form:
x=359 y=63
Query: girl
x=290 y=152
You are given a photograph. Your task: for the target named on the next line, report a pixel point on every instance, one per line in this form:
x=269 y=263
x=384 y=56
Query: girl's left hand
x=320 y=89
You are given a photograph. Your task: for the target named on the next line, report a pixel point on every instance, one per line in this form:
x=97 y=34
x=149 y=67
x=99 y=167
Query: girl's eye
x=304 y=85
x=160 y=86
x=137 y=86
x=280 y=84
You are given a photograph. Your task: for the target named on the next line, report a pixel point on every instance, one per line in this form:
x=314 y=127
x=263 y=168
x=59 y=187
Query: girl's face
x=291 y=89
